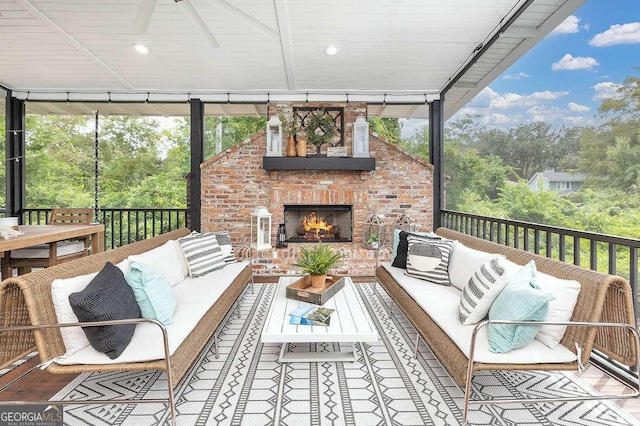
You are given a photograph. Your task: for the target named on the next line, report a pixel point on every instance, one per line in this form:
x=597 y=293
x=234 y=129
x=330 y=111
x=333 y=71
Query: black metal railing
x=598 y=252
x=123 y=226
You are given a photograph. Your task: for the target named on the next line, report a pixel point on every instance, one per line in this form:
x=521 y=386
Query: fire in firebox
x=315 y=228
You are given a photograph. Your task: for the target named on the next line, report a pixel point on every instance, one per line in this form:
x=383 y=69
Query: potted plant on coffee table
x=316 y=262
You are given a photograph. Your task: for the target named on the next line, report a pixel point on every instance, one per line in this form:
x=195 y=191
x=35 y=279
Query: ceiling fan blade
x=245 y=18
x=144 y=16
x=197 y=21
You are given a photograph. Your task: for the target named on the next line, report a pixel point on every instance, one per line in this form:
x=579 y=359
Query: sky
x=565 y=77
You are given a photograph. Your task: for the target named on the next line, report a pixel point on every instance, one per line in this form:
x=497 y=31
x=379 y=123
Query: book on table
x=308 y=314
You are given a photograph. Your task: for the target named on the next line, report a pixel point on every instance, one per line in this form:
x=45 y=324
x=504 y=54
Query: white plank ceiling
x=394 y=54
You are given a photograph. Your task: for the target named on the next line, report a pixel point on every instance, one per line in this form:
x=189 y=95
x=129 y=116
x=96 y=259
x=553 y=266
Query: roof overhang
x=395 y=55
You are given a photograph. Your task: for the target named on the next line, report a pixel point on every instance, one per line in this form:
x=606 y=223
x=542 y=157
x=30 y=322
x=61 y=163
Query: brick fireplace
x=234 y=182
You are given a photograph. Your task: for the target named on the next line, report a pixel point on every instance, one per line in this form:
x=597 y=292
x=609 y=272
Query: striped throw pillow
x=481 y=291
x=224 y=241
x=428 y=259
x=202 y=253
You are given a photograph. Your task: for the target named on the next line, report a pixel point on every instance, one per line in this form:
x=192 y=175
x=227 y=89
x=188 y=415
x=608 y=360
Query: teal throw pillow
x=153 y=292
x=520 y=300
x=396 y=241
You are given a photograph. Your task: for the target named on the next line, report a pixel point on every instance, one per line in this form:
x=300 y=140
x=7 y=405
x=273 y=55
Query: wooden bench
x=604 y=307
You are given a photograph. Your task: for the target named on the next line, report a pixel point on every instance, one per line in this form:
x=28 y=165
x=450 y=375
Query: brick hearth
x=234 y=183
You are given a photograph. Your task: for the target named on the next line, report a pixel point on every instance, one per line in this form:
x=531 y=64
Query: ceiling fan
x=147 y=7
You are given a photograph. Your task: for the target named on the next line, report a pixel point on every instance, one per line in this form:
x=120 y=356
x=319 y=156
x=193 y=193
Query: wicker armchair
x=46 y=255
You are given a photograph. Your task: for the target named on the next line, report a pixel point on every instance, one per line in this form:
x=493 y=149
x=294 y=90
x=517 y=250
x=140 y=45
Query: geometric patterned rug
x=247 y=385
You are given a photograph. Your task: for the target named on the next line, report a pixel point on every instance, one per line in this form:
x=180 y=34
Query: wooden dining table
x=42 y=234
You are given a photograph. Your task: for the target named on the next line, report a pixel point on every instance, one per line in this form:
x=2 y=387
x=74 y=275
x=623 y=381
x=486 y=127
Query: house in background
x=550 y=180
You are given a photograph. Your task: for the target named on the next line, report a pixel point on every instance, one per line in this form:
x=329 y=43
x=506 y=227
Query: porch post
x=14 y=156
x=197 y=157
x=436 y=157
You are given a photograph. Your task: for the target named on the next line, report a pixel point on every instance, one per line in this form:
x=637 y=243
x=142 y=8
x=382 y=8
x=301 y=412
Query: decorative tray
x=302 y=291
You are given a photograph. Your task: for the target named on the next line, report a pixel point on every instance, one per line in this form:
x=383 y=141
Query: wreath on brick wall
x=320 y=129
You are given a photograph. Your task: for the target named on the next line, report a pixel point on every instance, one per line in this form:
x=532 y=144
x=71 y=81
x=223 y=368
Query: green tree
x=527 y=147
x=388 y=128
x=233 y=130
x=59 y=157
x=609 y=154
x=467 y=172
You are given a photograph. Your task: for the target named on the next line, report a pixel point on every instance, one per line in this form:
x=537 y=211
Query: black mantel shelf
x=318 y=163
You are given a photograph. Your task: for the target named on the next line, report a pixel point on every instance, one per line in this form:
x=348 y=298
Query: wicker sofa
x=26 y=301
x=602 y=299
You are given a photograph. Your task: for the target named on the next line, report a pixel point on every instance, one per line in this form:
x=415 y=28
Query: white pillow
x=463 y=263
x=183 y=260
x=481 y=290
x=165 y=259
x=560 y=309
x=73 y=337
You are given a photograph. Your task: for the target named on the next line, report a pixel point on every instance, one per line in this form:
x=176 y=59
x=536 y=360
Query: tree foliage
x=143 y=162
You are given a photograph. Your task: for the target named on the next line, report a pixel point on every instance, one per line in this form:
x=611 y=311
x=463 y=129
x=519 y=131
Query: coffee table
x=350 y=323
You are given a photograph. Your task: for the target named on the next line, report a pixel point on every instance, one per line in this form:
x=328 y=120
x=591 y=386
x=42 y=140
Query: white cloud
x=577 y=107
x=617 y=34
x=551 y=114
x=606 y=90
x=518 y=76
x=568 y=26
x=569 y=62
x=499 y=118
x=515 y=100
x=575 y=121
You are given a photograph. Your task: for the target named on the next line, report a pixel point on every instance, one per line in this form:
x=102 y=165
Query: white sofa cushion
x=560 y=309
x=165 y=259
x=464 y=261
x=194 y=297
x=441 y=303
x=73 y=337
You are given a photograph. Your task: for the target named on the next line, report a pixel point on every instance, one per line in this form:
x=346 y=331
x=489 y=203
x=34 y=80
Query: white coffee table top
x=349 y=323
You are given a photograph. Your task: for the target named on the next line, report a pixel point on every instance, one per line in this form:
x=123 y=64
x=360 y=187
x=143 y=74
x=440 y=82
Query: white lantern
x=274 y=137
x=260 y=229
x=361 y=138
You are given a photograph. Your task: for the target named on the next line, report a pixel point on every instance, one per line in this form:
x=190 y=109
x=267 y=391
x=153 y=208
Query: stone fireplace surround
x=234 y=182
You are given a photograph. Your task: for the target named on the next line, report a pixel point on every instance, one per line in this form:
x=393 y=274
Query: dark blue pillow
x=107 y=297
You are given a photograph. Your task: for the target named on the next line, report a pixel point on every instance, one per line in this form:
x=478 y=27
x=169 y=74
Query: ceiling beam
x=465 y=85
x=412 y=111
x=285 y=42
x=196 y=20
x=245 y=18
x=520 y=32
x=143 y=17
x=26 y=5
x=153 y=107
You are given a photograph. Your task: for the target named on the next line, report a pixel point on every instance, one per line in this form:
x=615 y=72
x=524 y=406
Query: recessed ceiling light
x=331 y=50
x=141 y=48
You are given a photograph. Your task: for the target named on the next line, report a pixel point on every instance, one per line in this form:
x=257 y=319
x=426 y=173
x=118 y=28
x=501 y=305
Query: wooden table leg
x=97 y=242
x=6 y=270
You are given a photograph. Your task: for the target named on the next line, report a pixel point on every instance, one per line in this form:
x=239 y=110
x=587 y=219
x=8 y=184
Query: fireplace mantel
x=318 y=163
